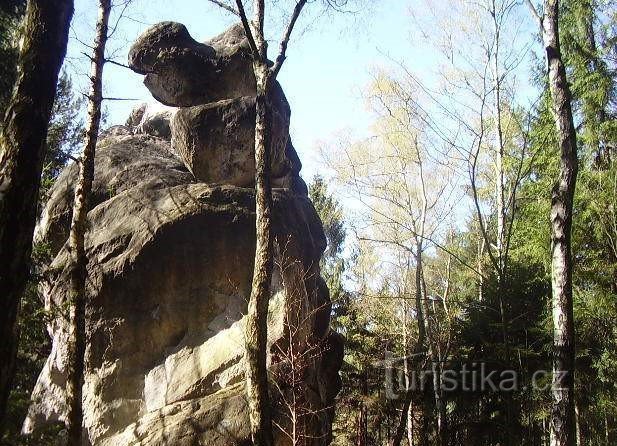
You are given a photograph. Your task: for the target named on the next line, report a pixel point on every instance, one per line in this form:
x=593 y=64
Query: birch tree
x=22 y=149
x=78 y=260
x=563 y=424
x=400 y=179
x=256 y=319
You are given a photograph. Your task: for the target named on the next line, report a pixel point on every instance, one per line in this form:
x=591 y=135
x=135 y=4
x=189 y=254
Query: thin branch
x=247 y=29
x=285 y=40
x=121 y=99
x=120 y=16
x=535 y=13
x=225 y=6
x=113 y=62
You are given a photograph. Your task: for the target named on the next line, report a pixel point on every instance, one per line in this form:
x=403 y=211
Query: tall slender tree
x=78 y=259
x=563 y=425
x=256 y=330
x=22 y=149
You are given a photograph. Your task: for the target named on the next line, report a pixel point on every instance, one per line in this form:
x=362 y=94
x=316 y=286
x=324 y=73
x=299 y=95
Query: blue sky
x=329 y=61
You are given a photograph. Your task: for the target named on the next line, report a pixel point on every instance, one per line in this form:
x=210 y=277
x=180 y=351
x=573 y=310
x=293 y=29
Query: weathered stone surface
x=123 y=161
x=216 y=141
x=169 y=277
x=151 y=119
x=170 y=246
x=183 y=72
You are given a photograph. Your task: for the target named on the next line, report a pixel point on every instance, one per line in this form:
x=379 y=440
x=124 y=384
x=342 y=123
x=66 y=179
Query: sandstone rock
x=182 y=72
x=169 y=276
x=216 y=141
x=170 y=246
x=123 y=161
x=151 y=119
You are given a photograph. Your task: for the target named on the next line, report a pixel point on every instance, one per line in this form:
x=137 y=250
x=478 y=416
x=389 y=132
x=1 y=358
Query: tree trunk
x=582 y=424
x=78 y=260
x=410 y=426
x=256 y=331
x=408 y=372
x=563 y=425
x=440 y=404
x=481 y=245
x=418 y=359
x=499 y=168
x=22 y=147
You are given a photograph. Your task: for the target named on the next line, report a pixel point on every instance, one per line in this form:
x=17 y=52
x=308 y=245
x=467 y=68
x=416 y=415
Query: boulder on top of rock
x=170 y=247
x=182 y=72
x=216 y=141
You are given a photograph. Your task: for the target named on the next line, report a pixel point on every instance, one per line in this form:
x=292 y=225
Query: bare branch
x=534 y=11
x=121 y=99
x=113 y=62
x=225 y=6
x=247 y=29
x=285 y=40
x=125 y=5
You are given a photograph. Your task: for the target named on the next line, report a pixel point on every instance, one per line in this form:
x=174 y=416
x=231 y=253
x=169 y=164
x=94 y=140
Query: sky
x=330 y=60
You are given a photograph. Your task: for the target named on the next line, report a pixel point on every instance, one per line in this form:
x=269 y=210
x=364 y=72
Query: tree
x=256 y=334
x=583 y=40
x=78 y=260
x=22 y=146
x=331 y=214
x=64 y=134
x=563 y=426
x=400 y=179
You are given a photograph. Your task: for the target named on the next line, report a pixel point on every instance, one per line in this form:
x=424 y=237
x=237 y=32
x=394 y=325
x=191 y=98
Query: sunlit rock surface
x=170 y=257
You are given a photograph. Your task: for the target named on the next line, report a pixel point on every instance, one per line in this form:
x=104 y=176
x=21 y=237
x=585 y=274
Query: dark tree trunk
x=78 y=261
x=563 y=424
x=22 y=147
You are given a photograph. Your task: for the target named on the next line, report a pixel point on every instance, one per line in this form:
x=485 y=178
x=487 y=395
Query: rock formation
x=170 y=246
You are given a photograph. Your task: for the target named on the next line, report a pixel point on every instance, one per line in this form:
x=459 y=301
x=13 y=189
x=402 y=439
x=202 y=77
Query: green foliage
x=65 y=133
x=331 y=215
x=584 y=37
x=34 y=347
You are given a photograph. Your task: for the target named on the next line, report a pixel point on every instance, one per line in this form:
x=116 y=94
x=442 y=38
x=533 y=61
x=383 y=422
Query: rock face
x=170 y=246
x=182 y=72
x=214 y=86
x=212 y=140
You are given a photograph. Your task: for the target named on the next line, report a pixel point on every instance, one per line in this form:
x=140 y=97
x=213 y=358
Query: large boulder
x=182 y=72
x=214 y=86
x=123 y=161
x=169 y=275
x=216 y=141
